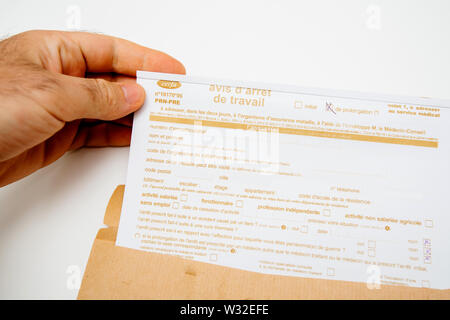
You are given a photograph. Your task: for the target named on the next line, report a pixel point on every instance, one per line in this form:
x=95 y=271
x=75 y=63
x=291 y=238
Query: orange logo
x=166 y=84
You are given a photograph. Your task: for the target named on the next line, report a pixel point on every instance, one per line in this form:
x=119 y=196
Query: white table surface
x=48 y=220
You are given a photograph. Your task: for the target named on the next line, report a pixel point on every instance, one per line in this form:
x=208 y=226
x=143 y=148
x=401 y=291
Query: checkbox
x=429 y=223
x=371 y=244
x=183 y=197
x=330 y=272
x=239 y=203
x=175 y=205
x=298 y=104
x=304 y=229
x=425 y=284
x=326 y=212
x=371 y=252
x=213 y=257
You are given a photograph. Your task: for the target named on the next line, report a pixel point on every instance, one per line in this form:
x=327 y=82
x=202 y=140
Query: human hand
x=60 y=91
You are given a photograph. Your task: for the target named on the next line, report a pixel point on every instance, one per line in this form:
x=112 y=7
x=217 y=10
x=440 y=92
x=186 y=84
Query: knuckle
x=22 y=46
x=17 y=48
x=107 y=93
x=27 y=37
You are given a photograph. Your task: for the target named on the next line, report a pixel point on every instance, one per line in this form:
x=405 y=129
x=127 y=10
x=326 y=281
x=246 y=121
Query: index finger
x=109 y=54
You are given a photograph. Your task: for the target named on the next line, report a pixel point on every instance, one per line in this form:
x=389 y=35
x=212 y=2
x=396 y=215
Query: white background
x=48 y=221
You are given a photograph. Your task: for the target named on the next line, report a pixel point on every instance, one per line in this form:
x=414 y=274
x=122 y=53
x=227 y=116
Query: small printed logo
x=166 y=84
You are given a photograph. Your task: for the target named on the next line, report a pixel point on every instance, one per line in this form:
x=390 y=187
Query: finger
x=114 y=77
x=125 y=121
x=109 y=54
x=102 y=135
x=95 y=99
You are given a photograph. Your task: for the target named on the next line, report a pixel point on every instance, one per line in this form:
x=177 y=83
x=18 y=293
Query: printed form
x=291 y=181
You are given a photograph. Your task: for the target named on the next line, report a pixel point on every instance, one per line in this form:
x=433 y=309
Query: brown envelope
x=120 y=273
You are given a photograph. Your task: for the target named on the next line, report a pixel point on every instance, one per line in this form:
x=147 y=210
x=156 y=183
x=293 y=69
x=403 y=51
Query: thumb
x=98 y=99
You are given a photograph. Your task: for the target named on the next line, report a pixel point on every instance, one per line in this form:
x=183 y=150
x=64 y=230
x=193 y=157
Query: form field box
x=298 y=104
x=330 y=272
x=213 y=257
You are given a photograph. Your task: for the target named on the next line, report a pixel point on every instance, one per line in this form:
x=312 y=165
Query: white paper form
x=291 y=181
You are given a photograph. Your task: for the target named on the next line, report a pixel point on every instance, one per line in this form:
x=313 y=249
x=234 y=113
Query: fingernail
x=132 y=92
